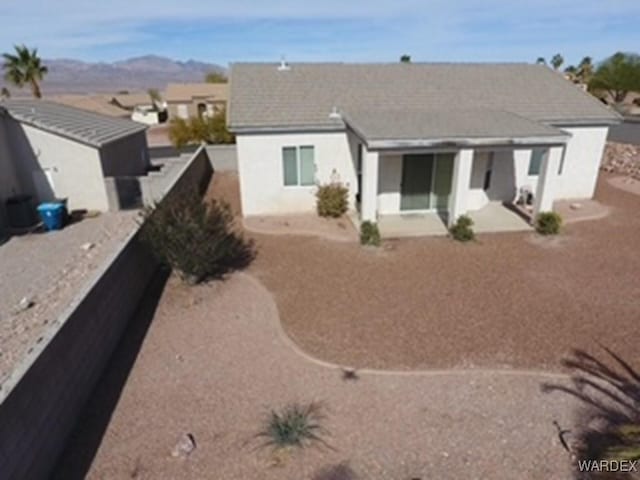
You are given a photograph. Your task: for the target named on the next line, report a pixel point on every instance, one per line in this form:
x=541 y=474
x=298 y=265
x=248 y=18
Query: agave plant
x=608 y=426
x=295 y=425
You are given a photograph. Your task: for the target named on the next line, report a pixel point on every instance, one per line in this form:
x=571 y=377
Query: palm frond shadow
x=607 y=425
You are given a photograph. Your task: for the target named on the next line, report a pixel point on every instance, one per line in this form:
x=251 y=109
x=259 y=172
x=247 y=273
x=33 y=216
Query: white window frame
x=298 y=183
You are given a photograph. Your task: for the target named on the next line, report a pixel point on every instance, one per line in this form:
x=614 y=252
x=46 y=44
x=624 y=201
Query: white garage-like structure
x=52 y=151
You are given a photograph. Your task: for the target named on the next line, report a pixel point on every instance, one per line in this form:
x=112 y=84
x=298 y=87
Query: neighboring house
x=53 y=151
x=185 y=100
x=413 y=138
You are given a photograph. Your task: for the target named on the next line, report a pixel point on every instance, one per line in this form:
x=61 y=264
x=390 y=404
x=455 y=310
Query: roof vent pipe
x=335 y=114
x=284 y=66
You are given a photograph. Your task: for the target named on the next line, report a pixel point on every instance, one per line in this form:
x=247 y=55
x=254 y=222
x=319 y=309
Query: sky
x=322 y=30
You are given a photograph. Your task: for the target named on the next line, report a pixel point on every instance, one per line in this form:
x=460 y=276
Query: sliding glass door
x=426 y=181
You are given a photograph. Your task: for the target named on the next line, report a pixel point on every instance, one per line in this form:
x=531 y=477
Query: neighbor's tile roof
x=94 y=103
x=80 y=125
x=185 y=92
x=262 y=96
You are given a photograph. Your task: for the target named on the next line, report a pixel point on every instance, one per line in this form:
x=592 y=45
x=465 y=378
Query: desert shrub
x=332 y=200
x=608 y=416
x=548 y=223
x=369 y=234
x=211 y=130
x=295 y=425
x=462 y=230
x=179 y=132
x=195 y=238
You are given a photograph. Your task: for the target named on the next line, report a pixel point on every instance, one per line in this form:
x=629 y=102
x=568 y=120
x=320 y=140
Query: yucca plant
x=608 y=426
x=296 y=425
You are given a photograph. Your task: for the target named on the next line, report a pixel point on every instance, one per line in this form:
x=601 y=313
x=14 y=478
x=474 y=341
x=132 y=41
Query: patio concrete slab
x=411 y=225
x=495 y=217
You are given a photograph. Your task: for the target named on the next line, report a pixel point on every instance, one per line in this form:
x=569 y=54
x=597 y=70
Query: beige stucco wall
x=213 y=106
x=74 y=168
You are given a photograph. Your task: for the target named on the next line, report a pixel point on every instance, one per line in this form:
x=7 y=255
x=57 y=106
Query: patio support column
x=460 y=184
x=546 y=188
x=369 y=204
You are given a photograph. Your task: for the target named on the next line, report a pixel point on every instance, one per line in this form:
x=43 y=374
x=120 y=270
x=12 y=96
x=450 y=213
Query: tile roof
x=303 y=96
x=94 y=103
x=445 y=125
x=81 y=125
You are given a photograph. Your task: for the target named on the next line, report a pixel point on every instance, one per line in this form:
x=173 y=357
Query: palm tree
x=556 y=61
x=585 y=70
x=24 y=68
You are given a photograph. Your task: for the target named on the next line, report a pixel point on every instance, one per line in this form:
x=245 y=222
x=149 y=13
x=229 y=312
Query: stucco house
x=429 y=140
x=185 y=100
x=53 y=151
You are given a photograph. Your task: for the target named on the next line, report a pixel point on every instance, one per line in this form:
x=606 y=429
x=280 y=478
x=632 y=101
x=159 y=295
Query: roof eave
x=461 y=142
x=247 y=129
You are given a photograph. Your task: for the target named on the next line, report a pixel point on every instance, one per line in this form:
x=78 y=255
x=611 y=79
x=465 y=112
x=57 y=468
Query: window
x=298 y=166
x=537 y=154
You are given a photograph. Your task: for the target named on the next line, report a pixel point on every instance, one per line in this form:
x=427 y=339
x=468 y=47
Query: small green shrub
x=369 y=234
x=332 y=200
x=462 y=230
x=295 y=426
x=548 y=223
x=195 y=238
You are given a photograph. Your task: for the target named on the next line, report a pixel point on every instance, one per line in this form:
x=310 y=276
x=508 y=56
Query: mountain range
x=134 y=74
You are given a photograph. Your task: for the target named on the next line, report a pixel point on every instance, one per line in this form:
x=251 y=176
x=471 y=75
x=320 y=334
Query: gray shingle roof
x=80 y=125
x=443 y=125
x=264 y=97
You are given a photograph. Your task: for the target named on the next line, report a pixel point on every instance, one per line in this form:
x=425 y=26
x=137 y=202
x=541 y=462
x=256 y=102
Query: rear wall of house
x=582 y=159
x=260 y=166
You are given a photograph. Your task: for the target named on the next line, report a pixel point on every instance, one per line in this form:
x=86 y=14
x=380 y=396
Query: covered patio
x=493 y=217
x=419 y=172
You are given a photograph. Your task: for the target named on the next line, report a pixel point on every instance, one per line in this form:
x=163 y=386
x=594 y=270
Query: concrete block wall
x=40 y=409
x=224 y=158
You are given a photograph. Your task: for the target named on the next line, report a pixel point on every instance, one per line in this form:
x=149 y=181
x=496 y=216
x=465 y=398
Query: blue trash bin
x=52 y=215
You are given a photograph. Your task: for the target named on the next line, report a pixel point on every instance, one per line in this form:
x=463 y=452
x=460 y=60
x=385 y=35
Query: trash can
x=52 y=215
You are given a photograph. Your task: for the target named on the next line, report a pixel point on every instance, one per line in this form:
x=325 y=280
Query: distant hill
x=134 y=74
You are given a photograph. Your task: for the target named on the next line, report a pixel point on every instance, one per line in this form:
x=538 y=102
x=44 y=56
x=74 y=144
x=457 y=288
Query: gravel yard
x=214 y=361
x=48 y=269
x=512 y=300
x=216 y=357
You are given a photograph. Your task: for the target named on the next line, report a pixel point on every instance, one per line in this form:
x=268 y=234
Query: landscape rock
x=622 y=158
x=87 y=246
x=185 y=446
x=25 y=304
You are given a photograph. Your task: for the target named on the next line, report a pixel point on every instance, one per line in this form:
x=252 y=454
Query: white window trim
x=298 y=184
